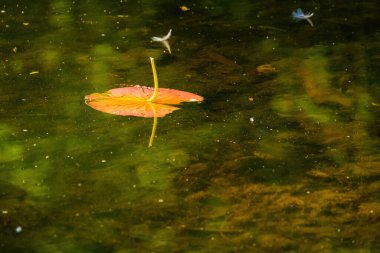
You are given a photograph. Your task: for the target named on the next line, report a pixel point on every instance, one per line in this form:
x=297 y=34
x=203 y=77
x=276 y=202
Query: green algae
x=9 y=150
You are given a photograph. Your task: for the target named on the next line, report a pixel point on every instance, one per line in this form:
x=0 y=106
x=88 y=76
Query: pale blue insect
x=299 y=15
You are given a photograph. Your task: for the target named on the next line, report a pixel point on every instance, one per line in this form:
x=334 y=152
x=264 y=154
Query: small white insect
x=164 y=40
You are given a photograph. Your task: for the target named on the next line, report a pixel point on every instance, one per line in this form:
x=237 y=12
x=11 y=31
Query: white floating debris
x=18 y=229
x=164 y=40
x=160 y=200
x=251 y=119
x=166 y=37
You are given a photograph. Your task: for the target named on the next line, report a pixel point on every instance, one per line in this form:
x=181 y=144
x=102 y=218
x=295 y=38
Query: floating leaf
x=141 y=101
x=133 y=101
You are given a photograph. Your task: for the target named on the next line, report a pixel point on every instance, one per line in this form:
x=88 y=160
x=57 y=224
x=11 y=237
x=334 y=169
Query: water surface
x=277 y=159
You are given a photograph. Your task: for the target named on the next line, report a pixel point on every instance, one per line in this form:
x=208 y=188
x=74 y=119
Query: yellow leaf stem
x=154 y=125
x=155 y=79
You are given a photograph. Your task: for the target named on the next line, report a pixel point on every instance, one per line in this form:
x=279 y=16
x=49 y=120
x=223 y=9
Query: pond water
x=281 y=156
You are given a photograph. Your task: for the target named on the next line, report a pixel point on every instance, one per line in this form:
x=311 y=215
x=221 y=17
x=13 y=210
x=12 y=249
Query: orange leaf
x=133 y=101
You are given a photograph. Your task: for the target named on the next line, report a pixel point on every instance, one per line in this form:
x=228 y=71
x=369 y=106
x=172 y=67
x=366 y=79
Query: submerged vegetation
x=282 y=156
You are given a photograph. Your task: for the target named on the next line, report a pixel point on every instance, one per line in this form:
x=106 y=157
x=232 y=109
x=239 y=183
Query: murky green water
x=277 y=159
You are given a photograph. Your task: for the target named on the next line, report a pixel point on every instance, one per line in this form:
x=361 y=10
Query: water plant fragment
x=265 y=69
